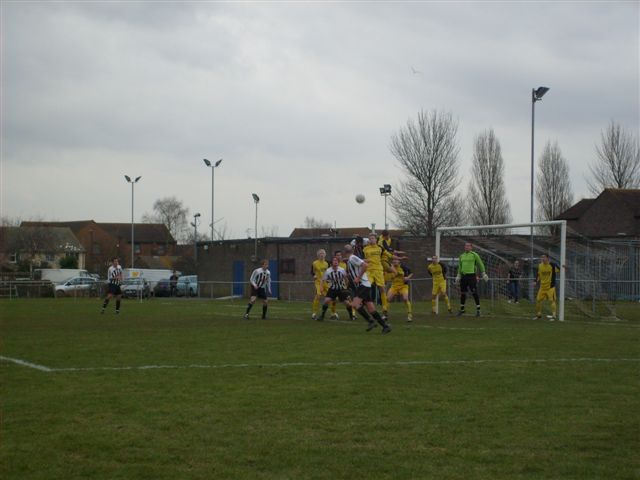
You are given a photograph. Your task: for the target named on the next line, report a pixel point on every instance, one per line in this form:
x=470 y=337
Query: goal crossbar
x=563 y=247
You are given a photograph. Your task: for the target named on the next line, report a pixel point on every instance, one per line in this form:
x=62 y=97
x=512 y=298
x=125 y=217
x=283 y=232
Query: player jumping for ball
x=357 y=272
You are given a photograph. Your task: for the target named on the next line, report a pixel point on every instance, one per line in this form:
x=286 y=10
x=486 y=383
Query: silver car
x=78 y=286
x=136 y=287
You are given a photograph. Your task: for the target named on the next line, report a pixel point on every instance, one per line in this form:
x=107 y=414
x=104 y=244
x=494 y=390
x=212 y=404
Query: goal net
x=503 y=248
x=598 y=279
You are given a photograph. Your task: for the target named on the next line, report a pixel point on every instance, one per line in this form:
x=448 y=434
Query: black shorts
x=469 y=282
x=364 y=293
x=114 y=289
x=341 y=294
x=259 y=292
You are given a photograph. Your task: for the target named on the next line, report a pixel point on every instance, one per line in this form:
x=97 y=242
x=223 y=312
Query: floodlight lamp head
x=196 y=215
x=539 y=93
x=137 y=178
x=218 y=163
x=256 y=198
x=206 y=162
x=128 y=178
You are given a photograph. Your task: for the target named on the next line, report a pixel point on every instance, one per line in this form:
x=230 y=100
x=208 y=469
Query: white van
x=58 y=275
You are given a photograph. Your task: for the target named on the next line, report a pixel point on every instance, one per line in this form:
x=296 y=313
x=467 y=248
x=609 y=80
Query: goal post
x=563 y=247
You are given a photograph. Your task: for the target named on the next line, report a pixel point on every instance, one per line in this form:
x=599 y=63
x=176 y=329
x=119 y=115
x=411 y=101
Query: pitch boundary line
x=398 y=363
x=24 y=363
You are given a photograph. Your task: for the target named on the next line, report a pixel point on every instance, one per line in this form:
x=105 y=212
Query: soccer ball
x=360 y=198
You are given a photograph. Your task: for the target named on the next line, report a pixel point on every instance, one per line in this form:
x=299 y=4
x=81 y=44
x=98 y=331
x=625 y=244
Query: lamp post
x=256 y=200
x=213 y=169
x=536 y=95
x=385 y=191
x=195 y=237
x=133 y=245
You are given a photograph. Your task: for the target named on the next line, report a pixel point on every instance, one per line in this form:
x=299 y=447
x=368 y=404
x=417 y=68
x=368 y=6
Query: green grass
x=552 y=400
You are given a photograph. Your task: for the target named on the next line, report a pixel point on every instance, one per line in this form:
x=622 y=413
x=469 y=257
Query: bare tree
x=31 y=241
x=487 y=199
x=312 y=222
x=171 y=212
x=553 y=187
x=427 y=152
x=618 y=160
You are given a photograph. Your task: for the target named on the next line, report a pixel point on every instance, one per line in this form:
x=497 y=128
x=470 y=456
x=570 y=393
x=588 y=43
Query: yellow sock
x=316 y=304
x=433 y=304
x=385 y=302
x=538 y=308
x=553 y=308
x=333 y=307
x=446 y=299
x=408 y=304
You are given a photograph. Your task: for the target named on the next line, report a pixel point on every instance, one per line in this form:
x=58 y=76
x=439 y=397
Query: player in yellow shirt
x=399 y=285
x=546 y=279
x=317 y=271
x=438 y=272
x=388 y=253
x=373 y=256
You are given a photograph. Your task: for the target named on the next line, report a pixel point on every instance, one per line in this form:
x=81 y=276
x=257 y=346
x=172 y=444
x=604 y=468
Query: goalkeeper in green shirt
x=468 y=263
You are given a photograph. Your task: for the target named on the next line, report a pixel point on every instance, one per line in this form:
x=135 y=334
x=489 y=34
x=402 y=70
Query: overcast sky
x=300 y=100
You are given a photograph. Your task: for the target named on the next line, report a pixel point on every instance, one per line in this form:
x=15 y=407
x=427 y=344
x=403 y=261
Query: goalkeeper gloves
x=485 y=277
x=457 y=280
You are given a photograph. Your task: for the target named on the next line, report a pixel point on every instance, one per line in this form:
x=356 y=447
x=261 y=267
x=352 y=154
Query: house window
x=288 y=265
x=50 y=257
x=95 y=248
x=13 y=258
x=160 y=250
x=136 y=248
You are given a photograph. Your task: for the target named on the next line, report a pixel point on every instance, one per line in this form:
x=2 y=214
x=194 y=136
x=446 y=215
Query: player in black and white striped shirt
x=260 y=285
x=357 y=272
x=336 y=276
x=114 y=279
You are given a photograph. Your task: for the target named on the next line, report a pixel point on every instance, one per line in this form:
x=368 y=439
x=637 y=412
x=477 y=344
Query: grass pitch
x=187 y=389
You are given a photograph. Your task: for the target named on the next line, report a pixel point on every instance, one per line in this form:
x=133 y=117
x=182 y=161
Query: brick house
x=103 y=241
x=615 y=213
x=39 y=246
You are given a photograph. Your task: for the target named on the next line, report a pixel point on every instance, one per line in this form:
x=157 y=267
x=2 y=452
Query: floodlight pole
x=385 y=191
x=536 y=95
x=132 y=182
x=195 y=238
x=213 y=168
x=256 y=200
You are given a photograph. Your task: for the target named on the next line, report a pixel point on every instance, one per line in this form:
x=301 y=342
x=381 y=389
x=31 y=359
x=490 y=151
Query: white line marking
x=24 y=363
x=327 y=364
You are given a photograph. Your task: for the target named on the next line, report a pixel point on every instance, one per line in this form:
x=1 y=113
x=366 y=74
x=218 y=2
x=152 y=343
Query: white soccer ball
x=360 y=198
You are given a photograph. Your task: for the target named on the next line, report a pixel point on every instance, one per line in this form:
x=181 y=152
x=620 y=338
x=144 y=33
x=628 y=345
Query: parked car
x=78 y=286
x=187 y=286
x=162 y=288
x=136 y=287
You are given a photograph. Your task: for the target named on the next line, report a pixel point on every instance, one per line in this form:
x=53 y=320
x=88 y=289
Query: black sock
x=364 y=314
x=350 y=312
x=324 y=310
x=463 y=299
x=106 y=302
x=249 y=307
x=117 y=305
x=477 y=299
x=377 y=316
x=264 y=311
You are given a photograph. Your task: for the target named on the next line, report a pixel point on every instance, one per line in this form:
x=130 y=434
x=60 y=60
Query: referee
x=468 y=262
